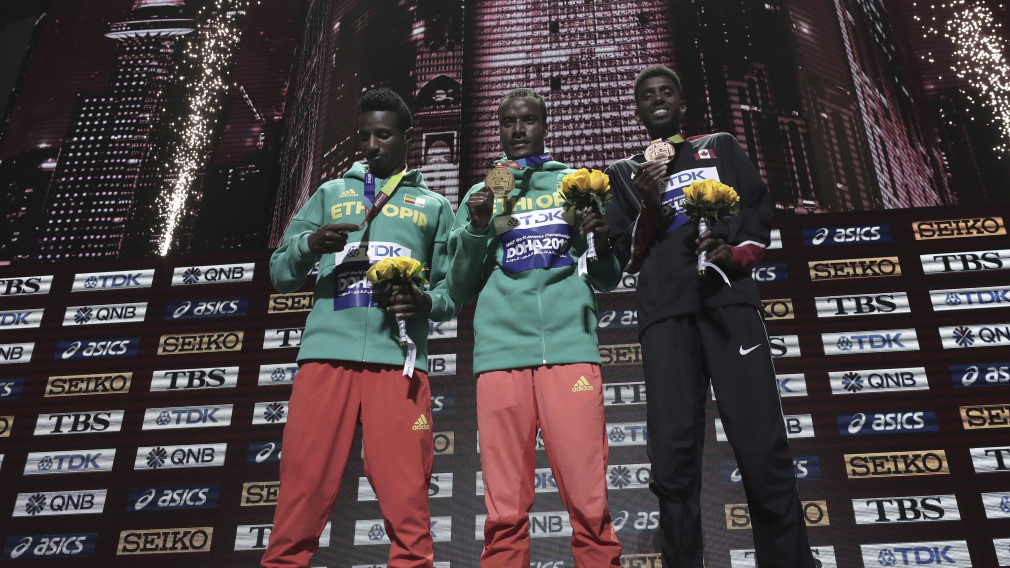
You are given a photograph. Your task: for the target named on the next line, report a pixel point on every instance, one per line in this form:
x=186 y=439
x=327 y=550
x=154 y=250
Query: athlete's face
x=382 y=143
x=521 y=127
x=659 y=107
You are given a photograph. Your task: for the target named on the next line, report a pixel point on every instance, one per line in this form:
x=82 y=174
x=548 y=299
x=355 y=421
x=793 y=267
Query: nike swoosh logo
x=746 y=351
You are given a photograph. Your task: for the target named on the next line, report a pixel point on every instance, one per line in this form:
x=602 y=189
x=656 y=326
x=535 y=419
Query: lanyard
x=676 y=138
x=525 y=162
x=384 y=195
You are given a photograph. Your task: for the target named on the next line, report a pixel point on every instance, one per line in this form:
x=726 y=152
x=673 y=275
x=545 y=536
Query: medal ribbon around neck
x=379 y=200
x=526 y=162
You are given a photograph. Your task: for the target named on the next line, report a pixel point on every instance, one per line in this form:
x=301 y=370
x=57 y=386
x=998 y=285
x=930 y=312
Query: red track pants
x=326 y=403
x=566 y=402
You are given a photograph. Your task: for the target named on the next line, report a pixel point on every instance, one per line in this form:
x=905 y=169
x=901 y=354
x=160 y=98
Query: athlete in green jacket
x=536 y=352
x=351 y=363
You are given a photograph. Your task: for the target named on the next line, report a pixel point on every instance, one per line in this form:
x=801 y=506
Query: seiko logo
x=797 y=426
x=283 y=337
x=784 y=345
x=74 y=385
x=890 y=464
x=981 y=374
x=614 y=319
x=551 y=524
x=207 y=308
x=627 y=434
x=991 y=460
x=297 y=302
x=970 y=298
x=74 y=461
x=874 y=304
x=777 y=309
x=985 y=416
x=25 y=286
x=112 y=280
x=6 y=425
x=950 y=553
x=768 y=273
x=439 y=487
x=111 y=313
x=444 y=443
x=193 y=539
x=442 y=329
x=854 y=268
x=815 y=514
x=16 y=352
x=212 y=274
x=10 y=389
x=264 y=452
x=833 y=236
x=975 y=261
x=175 y=457
x=878 y=380
x=96 y=349
x=60 y=503
x=977 y=335
x=200 y=343
x=876 y=341
x=172 y=498
x=187 y=417
x=20 y=319
x=955 y=228
x=619 y=394
x=628 y=354
x=806 y=468
x=914 y=509
x=441 y=365
x=886 y=422
x=50 y=546
x=650 y=560
x=277 y=374
x=261 y=493
x=257 y=537
x=270 y=412
x=79 y=422
x=193 y=379
x=443 y=403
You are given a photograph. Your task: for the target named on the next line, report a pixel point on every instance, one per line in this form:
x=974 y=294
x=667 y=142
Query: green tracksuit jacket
x=345 y=323
x=533 y=308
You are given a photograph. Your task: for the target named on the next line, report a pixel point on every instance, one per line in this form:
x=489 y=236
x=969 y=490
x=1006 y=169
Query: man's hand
x=718 y=251
x=646 y=181
x=408 y=302
x=594 y=222
x=481 y=206
x=330 y=238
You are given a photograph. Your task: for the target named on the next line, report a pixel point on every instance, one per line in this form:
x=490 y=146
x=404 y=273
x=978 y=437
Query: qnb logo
x=112 y=313
x=93 y=281
x=953 y=554
x=629 y=476
x=60 y=503
x=173 y=457
x=833 y=236
x=96 y=349
x=169 y=498
x=83 y=461
x=187 y=417
x=978 y=335
x=878 y=380
x=50 y=546
x=212 y=274
x=880 y=341
x=270 y=412
x=16 y=352
x=981 y=374
x=887 y=422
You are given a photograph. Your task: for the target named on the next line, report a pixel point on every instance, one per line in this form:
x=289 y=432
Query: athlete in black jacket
x=693 y=327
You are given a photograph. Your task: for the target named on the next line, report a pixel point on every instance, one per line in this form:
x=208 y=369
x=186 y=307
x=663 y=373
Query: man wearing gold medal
x=536 y=354
x=693 y=327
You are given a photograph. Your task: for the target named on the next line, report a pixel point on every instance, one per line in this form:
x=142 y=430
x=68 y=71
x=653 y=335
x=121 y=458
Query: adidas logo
x=349 y=193
x=422 y=423
x=582 y=385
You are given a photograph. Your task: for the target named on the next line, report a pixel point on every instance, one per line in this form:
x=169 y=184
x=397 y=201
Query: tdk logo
x=173 y=498
x=627 y=434
x=878 y=380
x=833 y=236
x=60 y=503
x=950 y=553
x=174 y=457
x=442 y=329
x=877 y=341
x=373 y=531
x=213 y=274
x=94 y=281
x=861 y=305
x=913 y=509
x=50 y=546
x=264 y=452
x=978 y=335
x=25 y=286
x=207 y=308
x=96 y=422
x=887 y=422
x=980 y=374
x=277 y=374
x=194 y=379
x=10 y=389
x=187 y=417
x=768 y=273
x=112 y=313
x=96 y=349
x=73 y=461
x=805 y=468
x=16 y=352
x=975 y=261
x=970 y=298
x=20 y=319
x=997 y=505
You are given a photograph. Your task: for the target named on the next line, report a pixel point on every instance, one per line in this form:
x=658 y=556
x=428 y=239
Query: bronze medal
x=501 y=181
x=660 y=150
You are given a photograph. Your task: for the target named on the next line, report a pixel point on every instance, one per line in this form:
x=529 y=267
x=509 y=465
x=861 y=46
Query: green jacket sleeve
x=290 y=264
x=468 y=248
x=443 y=307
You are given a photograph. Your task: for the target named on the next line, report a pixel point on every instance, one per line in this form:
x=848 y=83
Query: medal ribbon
x=676 y=138
x=525 y=162
x=379 y=200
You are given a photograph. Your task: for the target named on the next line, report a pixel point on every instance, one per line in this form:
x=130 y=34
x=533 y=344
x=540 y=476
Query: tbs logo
x=173 y=498
x=768 y=273
x=833 y=236
x=25 y=286
x=887 y=422
x=207 y=308
x=97 y=349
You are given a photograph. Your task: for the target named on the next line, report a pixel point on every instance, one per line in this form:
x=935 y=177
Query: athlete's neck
x=386 y=175
x=664 y=133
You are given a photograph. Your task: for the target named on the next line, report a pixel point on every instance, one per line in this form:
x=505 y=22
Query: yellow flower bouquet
x=708 y=201
x=398 y=271
x=585 y=188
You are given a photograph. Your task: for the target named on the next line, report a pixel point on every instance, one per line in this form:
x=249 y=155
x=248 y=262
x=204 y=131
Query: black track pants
x=679 y=353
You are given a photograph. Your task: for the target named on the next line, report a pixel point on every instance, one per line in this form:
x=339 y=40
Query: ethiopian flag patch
x=409 y=199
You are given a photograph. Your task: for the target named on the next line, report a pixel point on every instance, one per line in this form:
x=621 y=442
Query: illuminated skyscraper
x=109 y=139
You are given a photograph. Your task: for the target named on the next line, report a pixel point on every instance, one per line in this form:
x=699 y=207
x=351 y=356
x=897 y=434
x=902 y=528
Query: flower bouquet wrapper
x=706 y=202
x=586 y=188
x=399 y=271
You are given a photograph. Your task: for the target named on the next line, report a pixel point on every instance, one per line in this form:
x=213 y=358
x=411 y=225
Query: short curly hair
x=383 y=99
x=524 y=93
x=658 y=71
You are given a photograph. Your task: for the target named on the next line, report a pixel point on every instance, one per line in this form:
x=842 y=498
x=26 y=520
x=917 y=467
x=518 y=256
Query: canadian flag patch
x=705 y=155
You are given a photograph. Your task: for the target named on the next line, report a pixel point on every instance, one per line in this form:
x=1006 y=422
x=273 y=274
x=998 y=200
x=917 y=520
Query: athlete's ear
x=408 y=136
x=638 y=117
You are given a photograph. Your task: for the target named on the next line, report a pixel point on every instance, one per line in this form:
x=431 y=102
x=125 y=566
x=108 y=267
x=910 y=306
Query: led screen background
x=870 y=151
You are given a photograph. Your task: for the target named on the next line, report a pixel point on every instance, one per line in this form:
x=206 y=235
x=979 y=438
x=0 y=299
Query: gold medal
x=501 y=181
x=660 y=150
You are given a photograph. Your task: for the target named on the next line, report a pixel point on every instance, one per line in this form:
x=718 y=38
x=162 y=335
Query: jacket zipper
x=364 y=346
x=540 y=306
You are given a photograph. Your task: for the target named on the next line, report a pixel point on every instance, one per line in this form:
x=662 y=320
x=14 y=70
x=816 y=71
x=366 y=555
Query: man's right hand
x=647 y=177
x=481 y=206
x=330 y=238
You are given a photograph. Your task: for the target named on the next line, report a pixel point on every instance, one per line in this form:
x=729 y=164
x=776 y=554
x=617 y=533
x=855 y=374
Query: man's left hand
x=594 y=222
x=718 y=251
x=408 y=302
